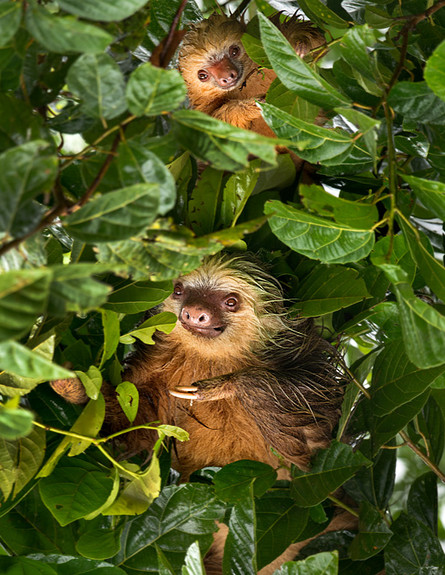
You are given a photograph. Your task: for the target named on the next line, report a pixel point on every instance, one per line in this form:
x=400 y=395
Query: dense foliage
x=102 y=206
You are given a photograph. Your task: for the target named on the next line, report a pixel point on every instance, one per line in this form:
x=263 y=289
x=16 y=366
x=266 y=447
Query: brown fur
x=265 y=381
x=208 y=42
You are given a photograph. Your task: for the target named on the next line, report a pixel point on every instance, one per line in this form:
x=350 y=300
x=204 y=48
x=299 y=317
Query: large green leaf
x=152 y=91
x=312 y=143
x=435 y=71
x=294 y=72
x=417 y=102
x=413 y=549
x=180 y=516
x=115 y=216
x=132 y=297
x=10 y=16
x=240 y=547
x=25 y=171
x=64 y=34
x=356 y=48
x=317 y=238
x=14 y=422
x=422 y=500
x=330 y=469
x=319 y=564
x=205 y=200
x=279 y=522
x=20 y=461
x=329 y=288
x=430 y=192
x=23 y=296
x=75 y=489
x=102 y=10
x=233 y=482
x=373 y=534
x=56 y=565
x=396 y=380
x=98 y=82
x=321 y=15
x=225 y=146
x=20 y=360
x=236 y=192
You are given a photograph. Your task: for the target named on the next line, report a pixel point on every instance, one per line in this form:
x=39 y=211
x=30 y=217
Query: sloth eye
x=234 y=51
x=231 y=302
x=203 y=75
x=178 y=290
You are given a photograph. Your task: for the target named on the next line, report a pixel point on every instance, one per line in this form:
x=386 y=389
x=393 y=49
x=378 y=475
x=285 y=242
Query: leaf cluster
x=110 y=188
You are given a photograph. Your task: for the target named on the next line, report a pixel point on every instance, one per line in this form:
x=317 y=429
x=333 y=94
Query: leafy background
x=102 y=207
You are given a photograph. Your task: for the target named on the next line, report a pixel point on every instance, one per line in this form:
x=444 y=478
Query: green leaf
x=396 y=380
x=255 y=50
x=430 y=192
x=279 y=522
x=152 y=91
x=23 y=296
x=320 y=564
x=15 y=423
x=329 y=288
x=233 y=481
x=236 y=192
x=64 y=34
x=128 y=398
x=137 y=164
x=423 y=327
x=68 y=565
x=131 y=297
x=416 y=101
x=422 y=501
x=164 y=321
x=97 y=80
x=111 y=325
x=330 y=469
x=10 y=17
x=204 y=201
x=102 y=10
x=413 y=549
x=353 y=214
x=431 y=269
x=435 y=71
x=312 y=143
x=294 y=72
x=355 y=47
x=240 y=547
x=75 y=489
x=116 y=215
x=223 y=145
x=92 y=381
x=19 y=360
x=321 y=15
x=373 y=534
x=193 y=561
x=20 y=461
x=317 y=238
x=100 y=543
x=25 y=171
x=180 y=516
x=287 y=101
x=24 y=566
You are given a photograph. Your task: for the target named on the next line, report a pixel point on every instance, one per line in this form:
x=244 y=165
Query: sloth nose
x=195 y=315
x=229 y=80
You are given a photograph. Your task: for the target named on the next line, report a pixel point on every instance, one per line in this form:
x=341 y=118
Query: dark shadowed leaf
x=416 y=101
x=240 y=547
x=233 y=482
x=373 y=534
x=422 y=500
x=10 y=16
x=430 y=192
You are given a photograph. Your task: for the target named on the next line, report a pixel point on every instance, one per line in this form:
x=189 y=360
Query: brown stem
x=422 y=456
x=163 y=59
x=243 y=6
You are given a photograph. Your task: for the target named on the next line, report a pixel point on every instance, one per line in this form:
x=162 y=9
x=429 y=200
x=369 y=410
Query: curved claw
x=185 y=392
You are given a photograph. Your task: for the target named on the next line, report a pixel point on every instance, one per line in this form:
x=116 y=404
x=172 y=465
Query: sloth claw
x=185 y=392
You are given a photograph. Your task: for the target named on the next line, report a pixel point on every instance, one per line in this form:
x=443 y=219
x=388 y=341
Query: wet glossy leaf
x=64 y=34
x=317 y=238
x=413 y=549
x=330 y=469
x=417 y=102
x=98 y=82
x=294 y=72
x=430 y=192
x=240 y=547
x=330 y=288
x=75 y=489
x=180 y=516
x=233 y=482
x=193 y=561
x=102 y=10
x=115 y=216
x=68 y=565
x=355 y=47
x=152 y=91
x=225 y=146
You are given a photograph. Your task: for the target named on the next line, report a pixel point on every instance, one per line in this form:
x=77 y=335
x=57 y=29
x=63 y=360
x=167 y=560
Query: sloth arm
x=239 y=113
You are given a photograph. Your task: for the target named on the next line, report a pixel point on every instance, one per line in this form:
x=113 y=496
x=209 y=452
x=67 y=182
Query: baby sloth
x=222 y=80
x=236 y=373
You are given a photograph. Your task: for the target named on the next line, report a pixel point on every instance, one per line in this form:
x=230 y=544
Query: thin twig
x=171 y=33
x=422 y=456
